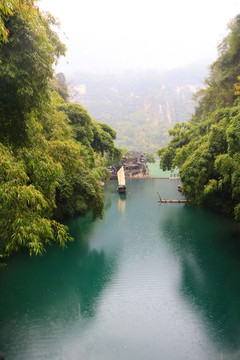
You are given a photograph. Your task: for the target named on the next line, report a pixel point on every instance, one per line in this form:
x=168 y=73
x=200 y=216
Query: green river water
x=150 y=281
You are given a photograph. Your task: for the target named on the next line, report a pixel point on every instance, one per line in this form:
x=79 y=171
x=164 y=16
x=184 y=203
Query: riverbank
x=154 y=172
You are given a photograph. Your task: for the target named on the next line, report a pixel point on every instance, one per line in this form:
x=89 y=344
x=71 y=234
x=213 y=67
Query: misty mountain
x=141 y=105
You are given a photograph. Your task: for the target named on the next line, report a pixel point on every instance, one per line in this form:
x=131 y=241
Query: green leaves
x=223 y=75
x=51 y=152
x=207 y=149
x=150 y=158
x=78 y=193
x=209 y=165
x=25 y=211
x=26 y=67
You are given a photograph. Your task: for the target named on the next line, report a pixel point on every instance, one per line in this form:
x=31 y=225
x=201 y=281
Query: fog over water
x=108 y=36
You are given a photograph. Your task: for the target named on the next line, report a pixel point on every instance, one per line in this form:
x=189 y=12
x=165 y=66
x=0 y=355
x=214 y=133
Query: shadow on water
x=208 y=249
x=58 y=288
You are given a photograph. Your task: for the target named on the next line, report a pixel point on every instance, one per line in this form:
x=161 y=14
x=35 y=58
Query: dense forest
x=207 y=148
x=52 y=153
x=142 y=105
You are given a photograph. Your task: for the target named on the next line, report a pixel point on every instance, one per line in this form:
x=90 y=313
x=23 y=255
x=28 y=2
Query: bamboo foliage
x=47 y=172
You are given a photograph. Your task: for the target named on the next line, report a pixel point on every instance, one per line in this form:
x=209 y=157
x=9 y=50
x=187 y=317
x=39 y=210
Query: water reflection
x=210 y=265
x=160 y=282
x=60 y=288
x=122 y=203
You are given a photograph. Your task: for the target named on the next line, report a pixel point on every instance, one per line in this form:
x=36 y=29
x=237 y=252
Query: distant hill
x=141 y=105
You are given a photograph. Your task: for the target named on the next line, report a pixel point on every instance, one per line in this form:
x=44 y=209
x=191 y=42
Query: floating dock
x=173 y=201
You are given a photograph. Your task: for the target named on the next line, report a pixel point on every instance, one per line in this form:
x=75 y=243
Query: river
x=149 y=281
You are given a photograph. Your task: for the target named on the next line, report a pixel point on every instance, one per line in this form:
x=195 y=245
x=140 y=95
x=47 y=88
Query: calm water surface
x=150 y=281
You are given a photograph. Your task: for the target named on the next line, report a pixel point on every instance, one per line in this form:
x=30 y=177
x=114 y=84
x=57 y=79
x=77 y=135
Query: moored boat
x=121 y=180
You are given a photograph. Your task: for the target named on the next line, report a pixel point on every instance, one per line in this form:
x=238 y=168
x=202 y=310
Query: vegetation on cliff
x=52 y=154
x=142 y=105
x=207 y=148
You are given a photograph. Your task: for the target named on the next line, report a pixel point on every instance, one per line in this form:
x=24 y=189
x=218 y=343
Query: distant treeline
x=142 y=105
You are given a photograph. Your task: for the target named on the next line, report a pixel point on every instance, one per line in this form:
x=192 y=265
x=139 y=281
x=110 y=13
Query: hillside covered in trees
x=207 y=148
x=52 y=153
x=142 y=105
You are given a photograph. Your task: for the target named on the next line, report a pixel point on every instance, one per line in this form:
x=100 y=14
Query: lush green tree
x=76 y=194
x=49 y=149
x=224 y=71
x=98 y=138
x=150 y=158
x=7 y=8
x=207 y=148
x=26 y=57
x=25 y=211
x=81 y=122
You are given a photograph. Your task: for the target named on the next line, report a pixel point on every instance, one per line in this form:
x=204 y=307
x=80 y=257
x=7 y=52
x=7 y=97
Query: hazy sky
x=112 y=35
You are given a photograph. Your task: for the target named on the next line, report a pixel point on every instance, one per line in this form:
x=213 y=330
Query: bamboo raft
x=173 y=201
x=114 y=177
x=147 y=177
x=154 y=177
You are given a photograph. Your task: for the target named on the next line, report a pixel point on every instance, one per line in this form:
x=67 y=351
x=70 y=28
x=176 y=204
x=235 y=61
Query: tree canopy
x=207 y=148
x=27 y=58
x=52 y=153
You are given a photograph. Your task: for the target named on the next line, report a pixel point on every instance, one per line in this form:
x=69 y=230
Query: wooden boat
x=121 y=180
x=179 y=188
